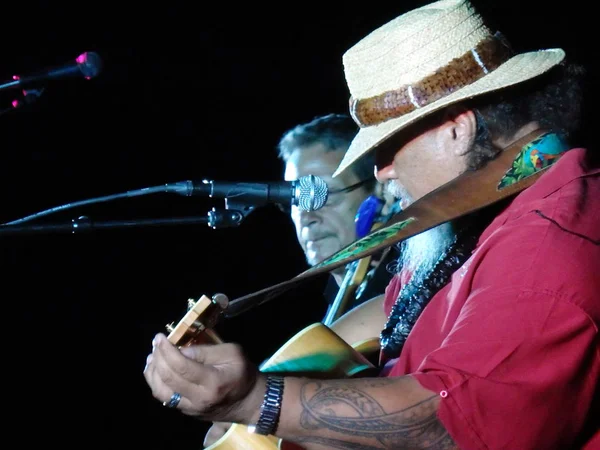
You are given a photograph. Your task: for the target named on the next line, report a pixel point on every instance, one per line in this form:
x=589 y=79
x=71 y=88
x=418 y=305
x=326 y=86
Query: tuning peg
x=221 y=299
x=190 y=303
x=170 y=327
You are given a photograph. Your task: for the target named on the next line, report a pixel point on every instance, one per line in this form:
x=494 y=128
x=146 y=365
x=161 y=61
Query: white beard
x=420 y=253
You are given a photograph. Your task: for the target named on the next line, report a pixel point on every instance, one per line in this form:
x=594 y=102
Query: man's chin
x=313 y=261
x=316 y=258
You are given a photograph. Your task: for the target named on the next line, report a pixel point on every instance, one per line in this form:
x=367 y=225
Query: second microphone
x=308 y=193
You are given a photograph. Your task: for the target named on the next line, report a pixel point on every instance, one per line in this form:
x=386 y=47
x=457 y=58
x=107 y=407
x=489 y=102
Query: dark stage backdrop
x=187 y=92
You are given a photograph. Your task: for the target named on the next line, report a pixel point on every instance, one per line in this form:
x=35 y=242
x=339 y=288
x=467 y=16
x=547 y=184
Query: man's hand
x=215 y=382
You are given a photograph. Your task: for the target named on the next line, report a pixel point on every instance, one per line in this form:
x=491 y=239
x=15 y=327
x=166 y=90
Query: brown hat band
x=458 y=73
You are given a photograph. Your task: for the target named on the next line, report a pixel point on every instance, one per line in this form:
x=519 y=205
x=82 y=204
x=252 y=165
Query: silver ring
x=173 y=401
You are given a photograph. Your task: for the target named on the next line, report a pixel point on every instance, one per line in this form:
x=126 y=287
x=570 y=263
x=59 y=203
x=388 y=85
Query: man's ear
x=459 y=129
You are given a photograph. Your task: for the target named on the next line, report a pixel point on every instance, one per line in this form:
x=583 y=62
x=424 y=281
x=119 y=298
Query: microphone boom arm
x=241 y=199
x=84 y=223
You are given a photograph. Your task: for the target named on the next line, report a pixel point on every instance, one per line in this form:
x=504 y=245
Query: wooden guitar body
x=314 y=351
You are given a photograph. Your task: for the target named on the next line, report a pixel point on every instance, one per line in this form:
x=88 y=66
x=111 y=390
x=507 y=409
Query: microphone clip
x=232 y=215
x=240 y=199
x=218 y=218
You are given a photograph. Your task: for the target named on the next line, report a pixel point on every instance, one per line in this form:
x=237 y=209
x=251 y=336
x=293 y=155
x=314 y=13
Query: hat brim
x=518 y=69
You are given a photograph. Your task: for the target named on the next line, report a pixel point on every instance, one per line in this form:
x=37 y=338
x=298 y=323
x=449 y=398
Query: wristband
x=270 y=408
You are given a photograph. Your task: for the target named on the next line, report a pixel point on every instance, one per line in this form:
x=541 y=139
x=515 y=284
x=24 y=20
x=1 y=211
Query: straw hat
x=425 y=60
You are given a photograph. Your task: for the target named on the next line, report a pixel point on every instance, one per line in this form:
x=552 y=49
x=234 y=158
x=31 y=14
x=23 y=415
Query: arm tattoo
x=353 y=411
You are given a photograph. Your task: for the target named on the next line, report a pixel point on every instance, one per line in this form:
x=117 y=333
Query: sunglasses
x=351 y=187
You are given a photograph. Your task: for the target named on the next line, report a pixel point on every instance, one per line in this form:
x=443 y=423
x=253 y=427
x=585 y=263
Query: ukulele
x=314 y=351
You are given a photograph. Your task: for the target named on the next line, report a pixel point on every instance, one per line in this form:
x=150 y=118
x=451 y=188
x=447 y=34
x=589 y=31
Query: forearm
x=363 y=322
x=368 y=413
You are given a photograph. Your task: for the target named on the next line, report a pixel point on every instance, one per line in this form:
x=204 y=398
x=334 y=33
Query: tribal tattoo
x=353 y=411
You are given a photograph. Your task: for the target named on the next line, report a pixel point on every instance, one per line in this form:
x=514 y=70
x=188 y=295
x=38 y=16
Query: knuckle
x=165 y=374
x=234 y=350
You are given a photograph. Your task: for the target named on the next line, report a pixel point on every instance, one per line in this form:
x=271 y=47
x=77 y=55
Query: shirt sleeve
x=498 y=390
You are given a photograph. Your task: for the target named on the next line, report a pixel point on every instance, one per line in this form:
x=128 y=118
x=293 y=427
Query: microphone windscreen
x=90 y=64
x=313 y=193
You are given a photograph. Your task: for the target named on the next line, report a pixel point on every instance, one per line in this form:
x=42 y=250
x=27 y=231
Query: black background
x=188 y=91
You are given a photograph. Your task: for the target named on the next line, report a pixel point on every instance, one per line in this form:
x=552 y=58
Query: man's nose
x=386 y=173
x=308 y=218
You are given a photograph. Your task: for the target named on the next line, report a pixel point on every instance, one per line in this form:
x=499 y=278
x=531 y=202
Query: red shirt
x=512 y=343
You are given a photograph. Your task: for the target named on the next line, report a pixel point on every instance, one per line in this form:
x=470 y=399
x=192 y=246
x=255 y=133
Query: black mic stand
x=29 y=96
x=85 y=224
x=231 y=216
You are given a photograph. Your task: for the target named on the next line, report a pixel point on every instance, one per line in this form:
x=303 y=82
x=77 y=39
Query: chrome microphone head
x=312 y=193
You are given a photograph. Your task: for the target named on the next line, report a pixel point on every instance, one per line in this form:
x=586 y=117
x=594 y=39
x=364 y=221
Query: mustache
x=316 y=236
x=394 y=189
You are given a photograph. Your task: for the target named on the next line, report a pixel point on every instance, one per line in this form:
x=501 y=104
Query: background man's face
x=323 y=232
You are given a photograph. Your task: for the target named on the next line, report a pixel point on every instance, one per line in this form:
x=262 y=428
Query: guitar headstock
x=196 y=325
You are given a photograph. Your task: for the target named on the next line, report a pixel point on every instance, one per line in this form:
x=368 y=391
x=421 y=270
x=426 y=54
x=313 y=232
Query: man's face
x=323 y=232
x=421 y=159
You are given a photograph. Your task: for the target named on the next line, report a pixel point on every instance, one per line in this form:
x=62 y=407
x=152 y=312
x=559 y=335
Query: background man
x=317 y=147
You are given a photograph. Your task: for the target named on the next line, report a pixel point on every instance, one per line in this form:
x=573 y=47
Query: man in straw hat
x=492 y=341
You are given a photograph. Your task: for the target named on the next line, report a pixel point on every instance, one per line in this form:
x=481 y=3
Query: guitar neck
x=354 y=275
x=196 y=326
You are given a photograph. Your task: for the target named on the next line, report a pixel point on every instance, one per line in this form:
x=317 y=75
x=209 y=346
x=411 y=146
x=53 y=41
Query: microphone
x=87 y=65
x=308 y=193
